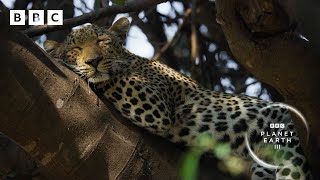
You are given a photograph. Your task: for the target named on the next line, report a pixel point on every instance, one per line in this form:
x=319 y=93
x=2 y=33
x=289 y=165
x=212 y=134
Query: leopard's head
x=90 y=51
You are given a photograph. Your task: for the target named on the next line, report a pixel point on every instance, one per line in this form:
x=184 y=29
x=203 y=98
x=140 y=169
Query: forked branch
x=129 y=6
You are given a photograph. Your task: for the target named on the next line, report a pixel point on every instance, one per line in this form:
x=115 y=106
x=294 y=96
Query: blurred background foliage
x=192 y=43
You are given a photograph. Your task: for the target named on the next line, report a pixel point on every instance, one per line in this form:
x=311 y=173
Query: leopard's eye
x=104 y=41
x=77 y=48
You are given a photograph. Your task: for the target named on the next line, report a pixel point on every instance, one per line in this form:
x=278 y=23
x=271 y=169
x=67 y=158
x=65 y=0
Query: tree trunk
x=260 y=38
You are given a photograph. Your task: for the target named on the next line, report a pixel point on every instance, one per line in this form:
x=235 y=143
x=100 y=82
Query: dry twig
x=175 y=37
x=194 y=36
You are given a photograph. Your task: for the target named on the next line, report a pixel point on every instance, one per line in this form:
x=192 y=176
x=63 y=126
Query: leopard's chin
x=99 y=77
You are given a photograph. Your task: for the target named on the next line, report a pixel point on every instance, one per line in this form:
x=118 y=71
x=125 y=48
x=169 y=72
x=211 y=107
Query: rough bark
x=273 y=53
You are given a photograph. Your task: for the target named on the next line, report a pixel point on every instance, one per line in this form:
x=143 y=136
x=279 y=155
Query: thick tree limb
x=129 y=6
x=280 y=60
x=62 y=124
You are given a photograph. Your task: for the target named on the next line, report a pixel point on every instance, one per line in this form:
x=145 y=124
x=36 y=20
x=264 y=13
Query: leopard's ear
x=54 y=48
x=120 y=28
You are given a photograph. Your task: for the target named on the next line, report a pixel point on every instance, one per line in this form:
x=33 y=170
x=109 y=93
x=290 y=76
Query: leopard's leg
x=295 y=168
x=292 y=161
x=289 y=159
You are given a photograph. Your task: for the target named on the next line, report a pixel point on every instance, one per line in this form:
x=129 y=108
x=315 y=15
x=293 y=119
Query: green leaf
x=190 y=166
x=206 y=140
x=235 y=165
x=222 y=150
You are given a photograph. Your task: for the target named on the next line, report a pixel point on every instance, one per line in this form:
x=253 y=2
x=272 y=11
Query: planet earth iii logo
x=277 y=136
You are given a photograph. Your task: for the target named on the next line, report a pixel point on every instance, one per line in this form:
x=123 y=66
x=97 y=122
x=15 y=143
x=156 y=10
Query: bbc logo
x=36 y=17
x=276 y=125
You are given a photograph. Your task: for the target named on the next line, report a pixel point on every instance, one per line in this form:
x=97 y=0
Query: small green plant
x=207 y=143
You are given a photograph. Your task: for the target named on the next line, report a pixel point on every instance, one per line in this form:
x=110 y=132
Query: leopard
x=169 y=104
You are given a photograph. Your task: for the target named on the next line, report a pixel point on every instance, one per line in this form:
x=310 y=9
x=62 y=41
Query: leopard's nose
x=94 y=61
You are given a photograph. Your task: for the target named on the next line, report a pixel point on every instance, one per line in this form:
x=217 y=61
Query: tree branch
x=129 y=6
